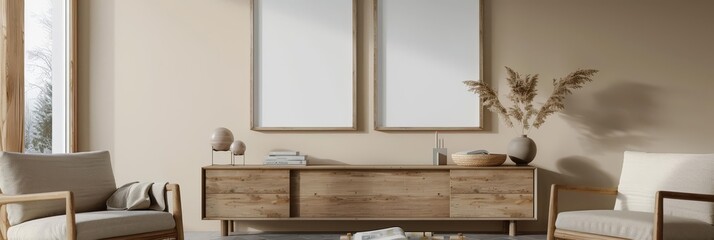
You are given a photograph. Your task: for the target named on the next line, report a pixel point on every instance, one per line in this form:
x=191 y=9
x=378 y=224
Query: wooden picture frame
x=453 y=115
x=315 y=114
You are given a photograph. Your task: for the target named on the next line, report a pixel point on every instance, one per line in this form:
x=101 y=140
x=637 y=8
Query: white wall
x=157 y=76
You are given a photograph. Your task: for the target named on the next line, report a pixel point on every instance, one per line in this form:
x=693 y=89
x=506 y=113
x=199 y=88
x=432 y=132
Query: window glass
x=46 y=76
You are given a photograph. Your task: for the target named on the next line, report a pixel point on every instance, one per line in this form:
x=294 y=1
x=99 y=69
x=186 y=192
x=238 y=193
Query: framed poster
x=303 y=73
x=424 y=50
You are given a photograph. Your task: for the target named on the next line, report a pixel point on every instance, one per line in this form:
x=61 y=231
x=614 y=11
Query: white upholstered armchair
x=660 y=196
x=63 y=196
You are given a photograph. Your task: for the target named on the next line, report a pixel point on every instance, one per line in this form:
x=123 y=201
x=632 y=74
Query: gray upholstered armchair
x=686 y=181
x=63 y=196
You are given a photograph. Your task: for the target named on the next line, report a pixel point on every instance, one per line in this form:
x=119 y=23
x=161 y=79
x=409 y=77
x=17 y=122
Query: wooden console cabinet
x=345 y=192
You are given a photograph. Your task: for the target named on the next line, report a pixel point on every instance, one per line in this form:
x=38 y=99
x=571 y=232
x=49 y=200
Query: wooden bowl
x=479 y=160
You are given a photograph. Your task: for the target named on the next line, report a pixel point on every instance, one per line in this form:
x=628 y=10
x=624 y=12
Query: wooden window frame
x=14 y=20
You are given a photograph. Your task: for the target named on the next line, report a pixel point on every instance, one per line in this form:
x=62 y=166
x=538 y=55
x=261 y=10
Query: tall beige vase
x=522 y=150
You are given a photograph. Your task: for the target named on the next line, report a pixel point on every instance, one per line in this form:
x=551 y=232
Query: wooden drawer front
x=248 y=181
x=371 y=194
x=247 y=205
x=492 y=206
x=506 y=181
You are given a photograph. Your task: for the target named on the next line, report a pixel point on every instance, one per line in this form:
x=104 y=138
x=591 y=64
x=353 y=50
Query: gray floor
x=217 y=236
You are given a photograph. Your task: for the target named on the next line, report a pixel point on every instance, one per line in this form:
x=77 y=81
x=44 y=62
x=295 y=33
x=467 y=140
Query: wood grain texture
x=492 y=181
x=372 y=182
x=554 y=198
x=492 y=205
x=552 y=212
x=247 y=181
x=659 y=207
x=572 y=235
x=330 y=192
x=247 y=206
x=12 y=82
x=372 y=206
x=176 y=209
x=63 y=195
x=168 y=234
x=370 y=193
x=73 y=104
x=366 y=167
x=3 y=82
x=4 y=225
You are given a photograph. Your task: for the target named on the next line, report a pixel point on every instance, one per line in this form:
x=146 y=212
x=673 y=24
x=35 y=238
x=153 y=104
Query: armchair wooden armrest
x=176 y=209
x=554 y=192
x=69 y=207
x=659 y=207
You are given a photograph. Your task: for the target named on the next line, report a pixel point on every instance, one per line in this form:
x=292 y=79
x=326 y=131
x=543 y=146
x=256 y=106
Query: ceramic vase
x=522 y=150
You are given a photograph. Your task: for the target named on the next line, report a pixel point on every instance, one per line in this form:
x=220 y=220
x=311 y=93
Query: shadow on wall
x=616 y=118
x=579 y=171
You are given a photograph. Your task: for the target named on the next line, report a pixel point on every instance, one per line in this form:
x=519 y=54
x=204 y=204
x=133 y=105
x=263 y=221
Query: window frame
x=15 y=60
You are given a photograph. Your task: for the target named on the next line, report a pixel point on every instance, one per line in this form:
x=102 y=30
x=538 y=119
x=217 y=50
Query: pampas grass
x=523 y=91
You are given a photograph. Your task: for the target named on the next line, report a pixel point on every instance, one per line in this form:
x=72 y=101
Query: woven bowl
x=479 y=160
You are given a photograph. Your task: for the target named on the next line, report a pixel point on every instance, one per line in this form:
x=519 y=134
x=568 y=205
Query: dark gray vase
x=522 y=150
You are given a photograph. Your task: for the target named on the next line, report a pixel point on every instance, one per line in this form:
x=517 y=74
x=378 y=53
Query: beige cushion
x=643 y=174
x=632 y=225
x=88 y=175
x=94 y=225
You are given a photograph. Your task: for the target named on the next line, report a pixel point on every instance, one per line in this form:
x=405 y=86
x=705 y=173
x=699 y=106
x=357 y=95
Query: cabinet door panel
x=371 y=194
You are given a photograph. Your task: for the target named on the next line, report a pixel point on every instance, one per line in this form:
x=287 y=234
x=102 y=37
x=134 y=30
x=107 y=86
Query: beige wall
x=157 y=76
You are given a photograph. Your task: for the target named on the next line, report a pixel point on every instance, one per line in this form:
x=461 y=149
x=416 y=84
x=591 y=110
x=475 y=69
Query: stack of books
x=394 y=233
x=285 y=158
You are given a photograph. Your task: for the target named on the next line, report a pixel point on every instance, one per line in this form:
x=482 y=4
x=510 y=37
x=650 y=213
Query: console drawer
x=247 y=181
x=506 y=181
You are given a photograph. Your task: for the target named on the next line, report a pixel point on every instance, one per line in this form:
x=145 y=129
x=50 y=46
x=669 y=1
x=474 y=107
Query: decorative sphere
x=221 y=139
x=238 y=147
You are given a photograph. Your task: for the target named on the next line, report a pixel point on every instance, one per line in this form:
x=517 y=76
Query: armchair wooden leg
x=3 y=225
x=71 y=224
x=553 y=211
x=177 y=211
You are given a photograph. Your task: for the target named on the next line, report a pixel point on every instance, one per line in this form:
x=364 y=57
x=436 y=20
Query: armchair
x=63 y=196
x=640 y=211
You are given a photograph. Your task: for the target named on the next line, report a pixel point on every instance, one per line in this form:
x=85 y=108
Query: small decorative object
x=523 y=89
x=479 y=158
x=439 y=152
x=221 y=140
x=285 y=158
x=522 y=150
x=237 y=149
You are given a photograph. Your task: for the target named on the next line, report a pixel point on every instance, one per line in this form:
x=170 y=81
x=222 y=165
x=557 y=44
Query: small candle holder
x=439 y=156
x=439 y=153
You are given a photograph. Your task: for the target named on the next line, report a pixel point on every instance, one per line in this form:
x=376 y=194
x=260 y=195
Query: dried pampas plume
x=523 y=91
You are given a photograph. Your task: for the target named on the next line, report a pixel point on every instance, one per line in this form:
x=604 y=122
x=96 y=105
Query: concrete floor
x=303 y=236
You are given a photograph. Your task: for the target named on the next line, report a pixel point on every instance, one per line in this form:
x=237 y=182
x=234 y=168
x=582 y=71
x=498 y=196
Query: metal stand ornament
x=221 y=140
x=237 y=149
